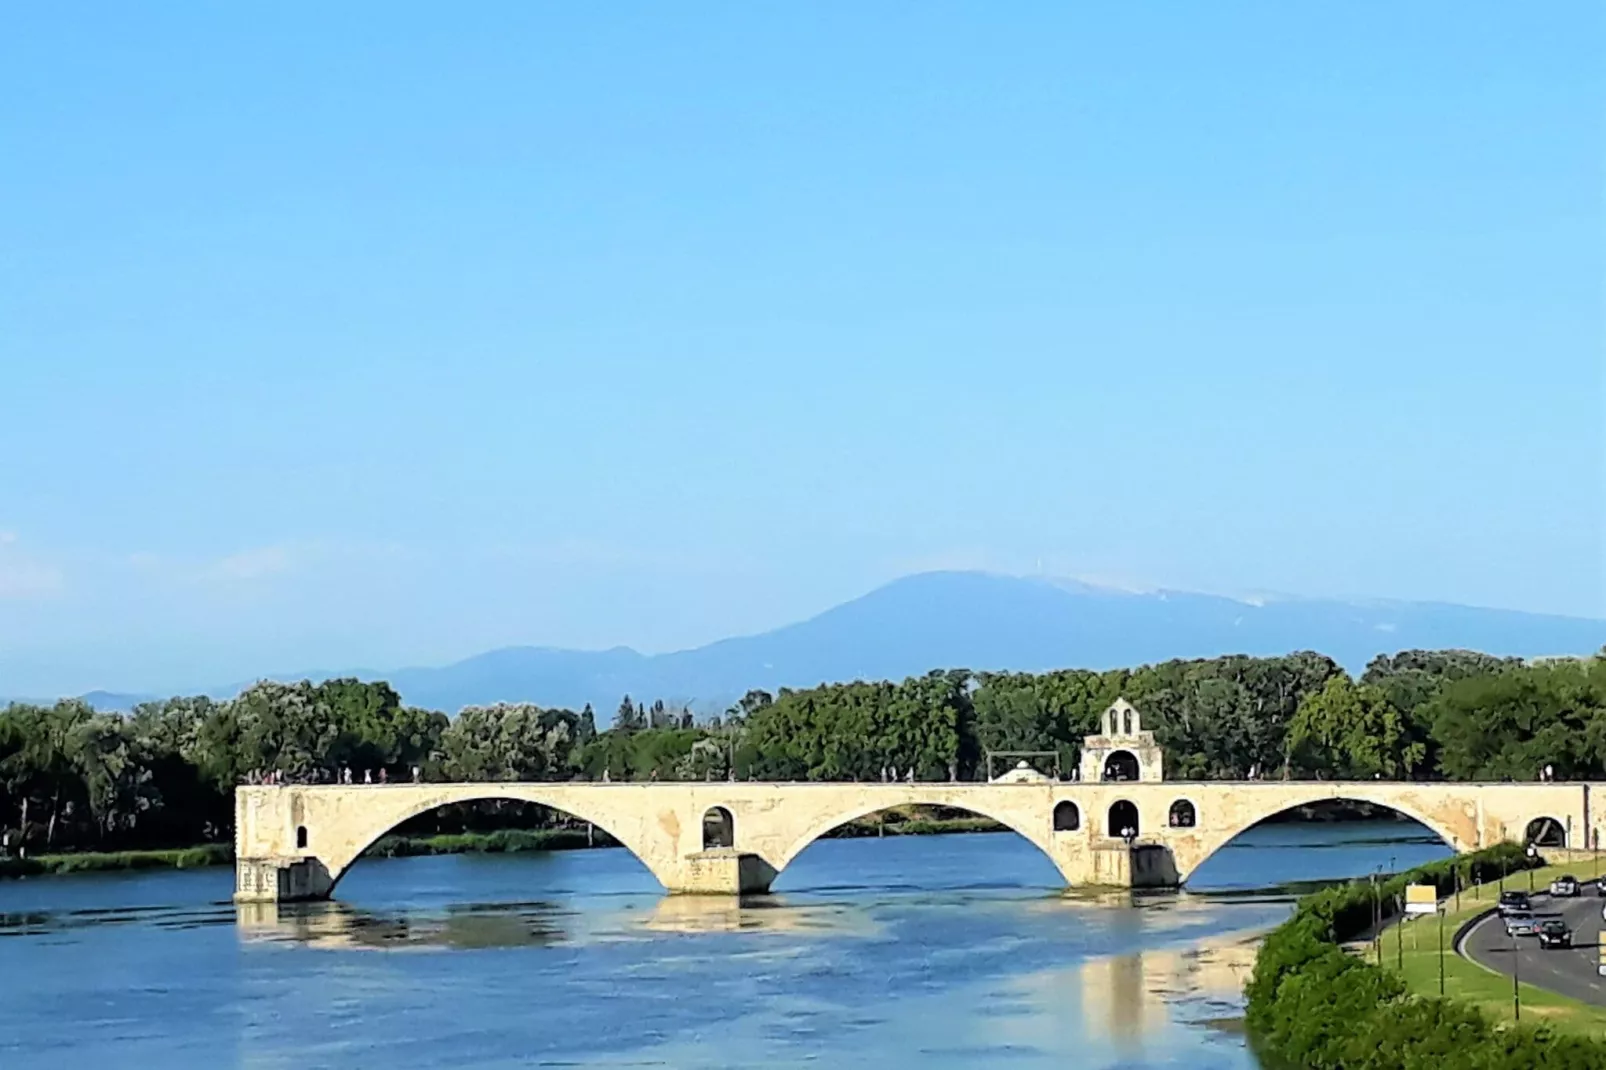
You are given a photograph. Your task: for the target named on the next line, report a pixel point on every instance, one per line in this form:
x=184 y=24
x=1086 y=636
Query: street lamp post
x=1532 y=853
x=1399 y=937
x=1377 y=923
x=1441 y=951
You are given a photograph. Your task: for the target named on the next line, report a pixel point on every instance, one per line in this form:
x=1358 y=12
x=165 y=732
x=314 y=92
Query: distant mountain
x=978 y=621
x=105 y=701
x=982 y=621
x=115 y=700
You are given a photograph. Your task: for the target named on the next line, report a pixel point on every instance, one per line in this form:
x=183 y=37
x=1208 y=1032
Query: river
x=940 y=951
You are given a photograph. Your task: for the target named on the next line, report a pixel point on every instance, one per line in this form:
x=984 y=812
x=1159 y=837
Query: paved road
x=1569 y=972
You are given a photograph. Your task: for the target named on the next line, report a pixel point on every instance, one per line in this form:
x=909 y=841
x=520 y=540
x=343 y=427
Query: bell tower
x=1122 y=750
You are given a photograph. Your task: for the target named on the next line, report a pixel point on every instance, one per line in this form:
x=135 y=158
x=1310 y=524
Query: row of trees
x=71 y=777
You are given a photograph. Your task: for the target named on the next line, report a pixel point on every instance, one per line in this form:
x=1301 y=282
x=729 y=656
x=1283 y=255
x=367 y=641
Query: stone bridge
x=295 y=842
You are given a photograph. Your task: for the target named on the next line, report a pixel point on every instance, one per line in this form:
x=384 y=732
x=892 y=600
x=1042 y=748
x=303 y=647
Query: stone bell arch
x=1122 y=750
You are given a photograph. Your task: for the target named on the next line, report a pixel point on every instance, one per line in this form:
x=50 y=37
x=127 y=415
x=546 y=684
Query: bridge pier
x=280 y=880
x=1114 y=864
x=723 y=871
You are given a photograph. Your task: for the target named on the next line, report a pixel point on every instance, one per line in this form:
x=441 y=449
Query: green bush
x=1314 y=1005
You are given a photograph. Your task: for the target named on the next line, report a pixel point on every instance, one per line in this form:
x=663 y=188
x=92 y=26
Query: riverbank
x=1412 y=951
x=502 y=841
x=211 y=854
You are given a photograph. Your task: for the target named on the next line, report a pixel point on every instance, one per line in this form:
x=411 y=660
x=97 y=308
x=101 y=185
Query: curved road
x=1568 y=972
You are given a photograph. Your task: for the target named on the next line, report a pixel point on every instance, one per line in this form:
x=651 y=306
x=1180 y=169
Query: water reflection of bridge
x=1133 y=998
x=334 y=925
x=337 y=926
x=1128 y=994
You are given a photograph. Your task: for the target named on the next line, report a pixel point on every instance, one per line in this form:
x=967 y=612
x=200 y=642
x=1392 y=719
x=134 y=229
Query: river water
x=942 y=951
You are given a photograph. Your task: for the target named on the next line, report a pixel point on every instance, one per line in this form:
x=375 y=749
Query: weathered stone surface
x=662 y=824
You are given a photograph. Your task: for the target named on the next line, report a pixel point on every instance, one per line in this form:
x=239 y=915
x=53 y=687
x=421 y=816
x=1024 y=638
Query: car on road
x=1510 y=901
x=1554 y=933
x=1521 y=923
x=1564 y=887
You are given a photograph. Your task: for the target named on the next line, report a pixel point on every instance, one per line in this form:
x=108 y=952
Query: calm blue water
x=951 y=951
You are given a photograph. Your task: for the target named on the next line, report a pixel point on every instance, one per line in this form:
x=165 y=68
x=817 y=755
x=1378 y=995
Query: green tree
x=630 y=717
x=1352 y=732
x=1510 y=725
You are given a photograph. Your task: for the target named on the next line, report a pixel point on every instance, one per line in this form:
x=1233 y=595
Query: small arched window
x=1183 y=815
x=719 y=828
x=301 y=837
x=1124 y=820
x=1121 y=765
x=1126 y=723
x=1067 y=818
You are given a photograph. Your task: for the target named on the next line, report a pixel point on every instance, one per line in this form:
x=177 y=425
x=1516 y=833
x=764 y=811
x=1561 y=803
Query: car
x=1521 y=923
x=1554 y=933
x=1600 y=888
x=1564 y=886
x=1510 y=901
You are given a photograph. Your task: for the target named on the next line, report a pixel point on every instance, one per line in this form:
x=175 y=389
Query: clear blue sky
x=381 y=334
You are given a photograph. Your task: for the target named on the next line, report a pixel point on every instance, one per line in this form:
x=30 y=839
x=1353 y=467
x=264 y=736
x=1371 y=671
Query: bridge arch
x=1190 y=856
x=345 y=844
x=1037 y=832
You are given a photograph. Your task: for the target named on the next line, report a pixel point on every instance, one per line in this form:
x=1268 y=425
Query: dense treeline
x=72 y=778
x=1313 y=1004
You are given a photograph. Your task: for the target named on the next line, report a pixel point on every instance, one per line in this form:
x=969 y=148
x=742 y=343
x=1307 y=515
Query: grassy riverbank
x=1314 y=1002
x=503 y=841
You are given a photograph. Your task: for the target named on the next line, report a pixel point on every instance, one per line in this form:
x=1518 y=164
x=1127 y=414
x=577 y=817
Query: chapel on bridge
x=1122 y=750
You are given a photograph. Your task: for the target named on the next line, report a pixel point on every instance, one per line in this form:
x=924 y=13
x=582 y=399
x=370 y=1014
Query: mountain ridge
x=983 y=622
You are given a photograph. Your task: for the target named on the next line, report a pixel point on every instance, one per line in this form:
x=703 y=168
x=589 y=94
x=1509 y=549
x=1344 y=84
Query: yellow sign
x=1421 y=899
